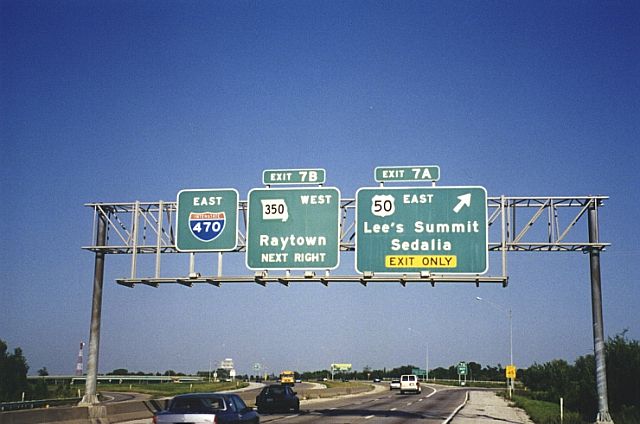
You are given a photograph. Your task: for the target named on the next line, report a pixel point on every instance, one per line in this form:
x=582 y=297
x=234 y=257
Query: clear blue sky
x=122 y=101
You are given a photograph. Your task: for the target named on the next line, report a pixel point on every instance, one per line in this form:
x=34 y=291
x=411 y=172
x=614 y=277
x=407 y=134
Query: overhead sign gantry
x=403 y=234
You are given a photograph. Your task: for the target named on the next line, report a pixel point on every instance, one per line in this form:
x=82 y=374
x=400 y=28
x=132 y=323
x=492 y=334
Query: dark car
x=277 y=397
x=197 y=408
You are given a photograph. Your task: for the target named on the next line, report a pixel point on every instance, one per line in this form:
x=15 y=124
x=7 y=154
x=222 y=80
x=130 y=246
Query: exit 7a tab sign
x=436 y=229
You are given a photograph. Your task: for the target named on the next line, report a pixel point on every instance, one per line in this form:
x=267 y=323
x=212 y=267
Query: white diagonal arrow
x=465 y=200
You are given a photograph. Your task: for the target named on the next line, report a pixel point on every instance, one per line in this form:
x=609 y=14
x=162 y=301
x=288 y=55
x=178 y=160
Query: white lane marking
x=432 y=393
x=368 y=417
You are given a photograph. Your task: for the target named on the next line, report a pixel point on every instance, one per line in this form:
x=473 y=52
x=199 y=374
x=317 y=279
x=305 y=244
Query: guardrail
x=43 y=403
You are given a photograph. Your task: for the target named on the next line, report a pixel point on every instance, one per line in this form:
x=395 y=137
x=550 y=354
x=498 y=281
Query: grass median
x=171 y=389
x=344 y=384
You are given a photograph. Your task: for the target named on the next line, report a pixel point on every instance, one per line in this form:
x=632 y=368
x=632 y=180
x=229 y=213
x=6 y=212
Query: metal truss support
x=149 y=227
x=263 y=278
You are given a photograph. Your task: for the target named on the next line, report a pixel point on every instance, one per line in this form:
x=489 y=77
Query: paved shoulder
x=486 y=407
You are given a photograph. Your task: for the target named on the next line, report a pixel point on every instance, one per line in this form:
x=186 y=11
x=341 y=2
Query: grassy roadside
x=171 y=389
x=542 y=412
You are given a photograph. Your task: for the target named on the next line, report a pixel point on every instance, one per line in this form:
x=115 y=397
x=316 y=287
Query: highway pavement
x=436 y=404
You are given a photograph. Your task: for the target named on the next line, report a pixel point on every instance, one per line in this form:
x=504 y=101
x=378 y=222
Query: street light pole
x=427 y=369
x=511 y=385
x=427 y=364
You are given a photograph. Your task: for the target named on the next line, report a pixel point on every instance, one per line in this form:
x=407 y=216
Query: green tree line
x=13 y=379
x=13 y=374
x=476 y=372
x=576 y=382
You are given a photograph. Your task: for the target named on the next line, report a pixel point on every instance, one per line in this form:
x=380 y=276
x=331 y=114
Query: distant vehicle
x=409 y=383
x=376 y=380
x=395 y=384
x=298 y=380
x=277 y=397
x=287 y=377
x=201 y=408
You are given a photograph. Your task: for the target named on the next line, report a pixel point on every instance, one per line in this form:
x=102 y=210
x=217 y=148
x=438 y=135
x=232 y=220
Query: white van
x=410 y=383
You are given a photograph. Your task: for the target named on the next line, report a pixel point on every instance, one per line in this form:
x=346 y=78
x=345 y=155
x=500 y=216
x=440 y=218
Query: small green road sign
x=462 y=368
x=207 y=220
x=407 y=173
x=293 y=228
x=415 y=229
x=418 y=371
x=293 y=176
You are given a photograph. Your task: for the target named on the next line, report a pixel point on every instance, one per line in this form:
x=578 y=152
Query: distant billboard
x=341 y=367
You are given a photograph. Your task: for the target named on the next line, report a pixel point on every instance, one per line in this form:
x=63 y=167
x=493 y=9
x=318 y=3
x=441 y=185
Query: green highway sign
x=413 y=229
x=462 y=368
x=293 y=228
x=207 y=220
x=293 y=176
x=407 y=173
x=418 y=371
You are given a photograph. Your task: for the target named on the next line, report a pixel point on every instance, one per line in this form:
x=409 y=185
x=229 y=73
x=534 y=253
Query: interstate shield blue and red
x=206 y=226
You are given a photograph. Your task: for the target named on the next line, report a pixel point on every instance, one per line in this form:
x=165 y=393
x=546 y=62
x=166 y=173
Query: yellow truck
x=287 y=377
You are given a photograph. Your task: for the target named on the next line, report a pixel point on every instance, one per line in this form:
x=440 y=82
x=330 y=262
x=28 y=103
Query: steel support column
x=90 y=397
x=598 y=326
